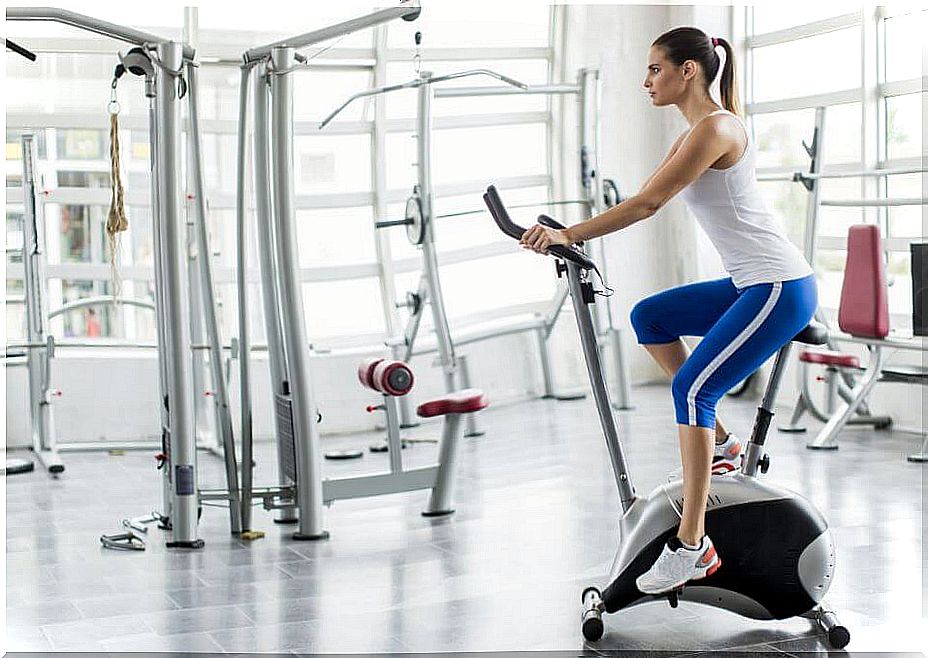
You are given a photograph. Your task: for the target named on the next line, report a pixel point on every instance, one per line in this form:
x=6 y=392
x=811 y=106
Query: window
x=770 y=18
x=333 y=170
x=904 y=126
x=787 y=64
x=814 y=65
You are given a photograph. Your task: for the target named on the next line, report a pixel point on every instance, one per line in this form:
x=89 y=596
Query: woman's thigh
x=689 y=310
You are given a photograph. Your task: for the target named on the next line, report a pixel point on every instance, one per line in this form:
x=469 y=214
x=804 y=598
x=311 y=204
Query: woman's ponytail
x=728 y=85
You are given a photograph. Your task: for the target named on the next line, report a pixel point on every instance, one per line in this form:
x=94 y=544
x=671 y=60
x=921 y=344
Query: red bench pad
x=459 y=402
x=830 y=358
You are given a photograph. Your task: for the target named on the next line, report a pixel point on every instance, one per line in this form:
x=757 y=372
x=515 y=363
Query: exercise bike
x=778 y=554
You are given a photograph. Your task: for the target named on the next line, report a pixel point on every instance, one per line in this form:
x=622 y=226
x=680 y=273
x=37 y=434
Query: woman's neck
x=695 y=109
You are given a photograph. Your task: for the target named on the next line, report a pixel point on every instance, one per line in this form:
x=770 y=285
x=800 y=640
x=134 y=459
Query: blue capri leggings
x=742 y=328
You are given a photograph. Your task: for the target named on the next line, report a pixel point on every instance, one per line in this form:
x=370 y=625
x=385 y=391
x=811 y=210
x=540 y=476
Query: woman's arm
x=707 y=142
x=670 y=153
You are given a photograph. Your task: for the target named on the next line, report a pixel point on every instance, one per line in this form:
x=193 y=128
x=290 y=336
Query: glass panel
x=899 y=279
x=139 y=147
x=14 y=147
x=906 y=221
x=219 y=91
x=402 y=104
x=317 y=93
x=516 y=150
x=904 y=39
x=400 y=154
x=453 y=25
x=284 y=20
x=220 y=155
x=526 y=280
x=66 y=82
x=331 y=163
x=904 y=126
x=140 y=235
x=139 y=322
x=95 y=179
x=343 y=308
x=771 y=17
x=80 y=144
x=842 y=133
x=14 y=236
x=829 y=268
x=336 y=236
x=76 y=226
x=835 y=221
x=776 y=68
x=787 y=200
x=79 y=322
x=779 y=136
x=15 y=313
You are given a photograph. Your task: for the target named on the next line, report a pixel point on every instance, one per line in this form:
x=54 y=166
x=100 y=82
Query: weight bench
x=863 y=313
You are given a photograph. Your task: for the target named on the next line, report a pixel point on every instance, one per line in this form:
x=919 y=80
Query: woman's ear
x=689 y=69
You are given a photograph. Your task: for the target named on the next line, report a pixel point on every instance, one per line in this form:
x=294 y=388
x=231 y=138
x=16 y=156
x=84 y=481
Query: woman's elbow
x=650 y=204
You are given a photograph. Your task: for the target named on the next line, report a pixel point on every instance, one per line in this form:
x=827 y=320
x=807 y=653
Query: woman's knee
x=645 y=321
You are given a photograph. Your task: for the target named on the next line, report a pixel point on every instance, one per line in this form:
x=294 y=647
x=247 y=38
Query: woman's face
x=665 y=81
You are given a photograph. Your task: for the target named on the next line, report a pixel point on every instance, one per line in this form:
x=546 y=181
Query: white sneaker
x=677 y=565
x=726 y=458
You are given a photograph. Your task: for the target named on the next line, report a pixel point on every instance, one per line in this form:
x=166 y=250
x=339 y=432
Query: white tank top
x=731 y=210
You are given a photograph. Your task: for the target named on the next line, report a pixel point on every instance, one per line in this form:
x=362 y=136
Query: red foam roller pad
x=830 y=358
x=392 y=378
x=366 y=371
x=459 y=402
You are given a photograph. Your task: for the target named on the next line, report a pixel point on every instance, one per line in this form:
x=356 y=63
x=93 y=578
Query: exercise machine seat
x=460 y=402
x=864 y=310
x=814 y=333
x=830 y=358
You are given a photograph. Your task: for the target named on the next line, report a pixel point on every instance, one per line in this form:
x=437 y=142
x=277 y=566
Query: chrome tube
x=211 y=322
x=429 y=250
x=277 y=360
x=241 y=269
x=180 y=405
x=306 y=434
x=594 y=368
x=90 y=24
x=407 y=10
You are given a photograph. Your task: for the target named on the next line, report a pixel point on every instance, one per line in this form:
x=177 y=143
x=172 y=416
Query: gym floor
x=535 y=523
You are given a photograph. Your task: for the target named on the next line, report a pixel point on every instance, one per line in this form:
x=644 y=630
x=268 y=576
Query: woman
x=768 y=298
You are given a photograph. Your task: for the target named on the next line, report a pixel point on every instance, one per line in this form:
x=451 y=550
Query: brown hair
x=683 y=43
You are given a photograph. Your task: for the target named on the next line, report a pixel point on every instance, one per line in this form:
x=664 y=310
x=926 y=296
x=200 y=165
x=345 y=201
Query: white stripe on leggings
x=730 y=349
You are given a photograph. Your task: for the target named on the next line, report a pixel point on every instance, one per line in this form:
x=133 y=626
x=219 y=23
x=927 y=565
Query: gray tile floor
x=536 y=519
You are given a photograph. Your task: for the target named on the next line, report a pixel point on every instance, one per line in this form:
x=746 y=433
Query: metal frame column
x=296 y=343
x=270 y=296
x=429 y=250
x=183 y=455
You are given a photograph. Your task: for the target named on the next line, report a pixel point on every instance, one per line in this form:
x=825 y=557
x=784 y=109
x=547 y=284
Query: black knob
x=764 y=464
x=418 y=38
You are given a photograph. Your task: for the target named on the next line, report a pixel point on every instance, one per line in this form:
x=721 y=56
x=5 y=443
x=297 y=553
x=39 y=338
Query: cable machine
x=169 y=70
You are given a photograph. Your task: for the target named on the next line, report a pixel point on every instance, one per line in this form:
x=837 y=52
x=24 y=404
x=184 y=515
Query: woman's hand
x=538 y=238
